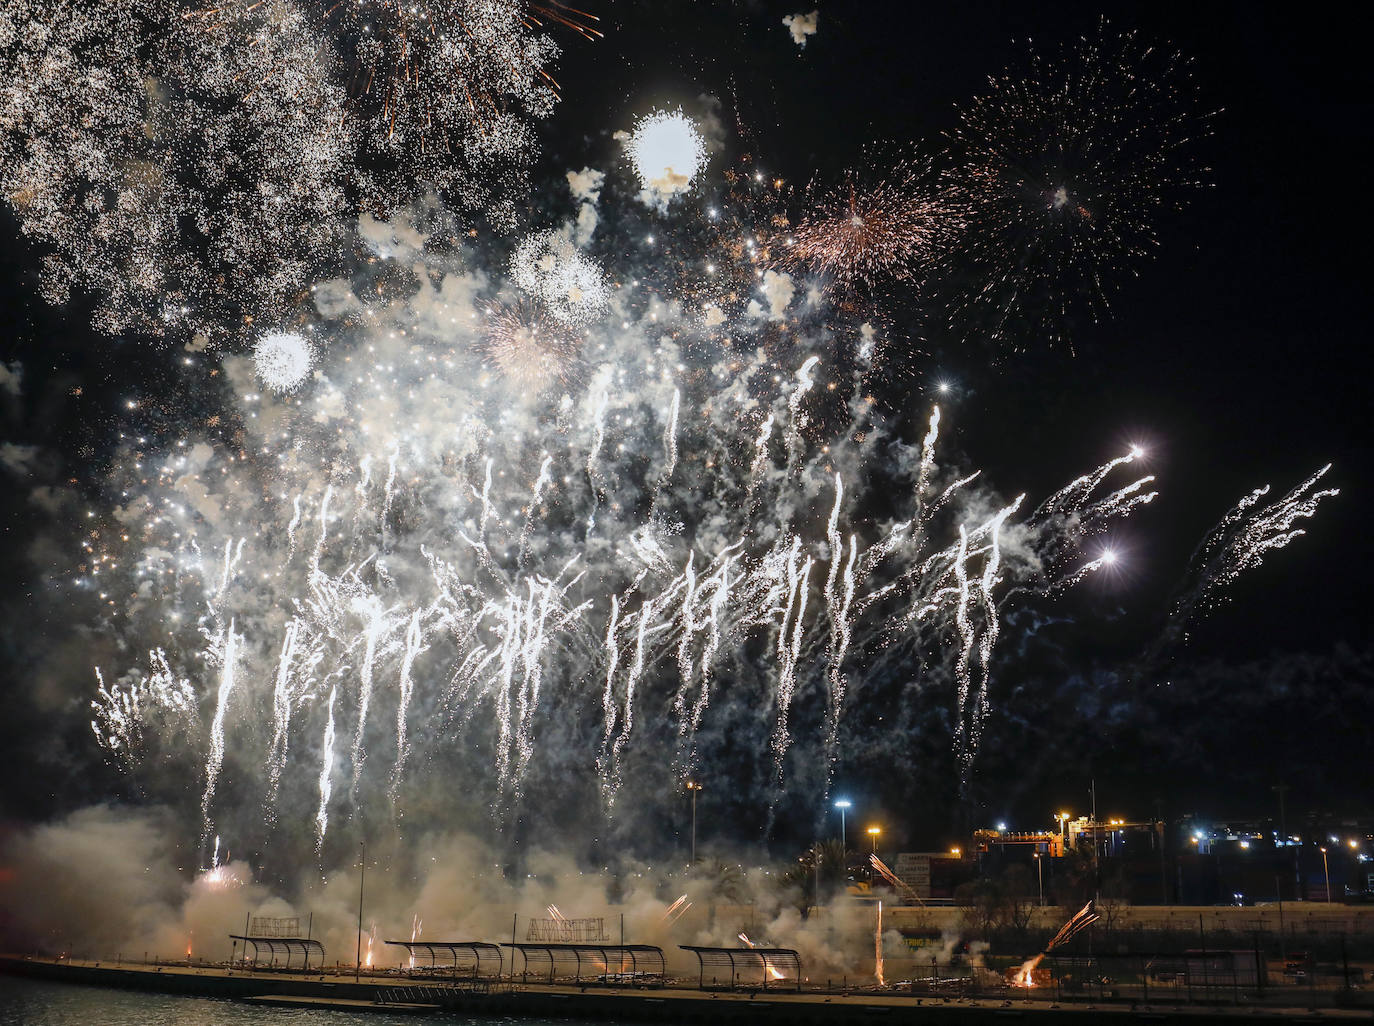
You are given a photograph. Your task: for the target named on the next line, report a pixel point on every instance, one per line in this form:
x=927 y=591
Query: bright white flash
x=283 y=361
x=1109 y=556
x=667 y=151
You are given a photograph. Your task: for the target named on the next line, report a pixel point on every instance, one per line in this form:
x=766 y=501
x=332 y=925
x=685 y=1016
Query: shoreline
x=610 y=1003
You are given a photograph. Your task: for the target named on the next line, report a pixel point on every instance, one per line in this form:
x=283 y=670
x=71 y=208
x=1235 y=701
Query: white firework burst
x=570 y=284
x=283 y=361
x=668 y=152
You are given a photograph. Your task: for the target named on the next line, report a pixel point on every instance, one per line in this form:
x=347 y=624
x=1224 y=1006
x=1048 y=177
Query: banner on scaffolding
x=567 y=931
x=275 y=926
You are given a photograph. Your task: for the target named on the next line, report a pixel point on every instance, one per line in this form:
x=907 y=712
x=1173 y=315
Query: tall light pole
x=693 y=787
x=842 y=804
x=1326 y=870
x=873 y=832
x=1040 y=876
x=362 y=875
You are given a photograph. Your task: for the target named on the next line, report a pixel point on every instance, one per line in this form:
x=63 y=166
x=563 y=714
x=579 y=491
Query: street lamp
x=1326 y=870
x=873 y=832
x=842 y=804
x=693 y=787
x=1040 y=877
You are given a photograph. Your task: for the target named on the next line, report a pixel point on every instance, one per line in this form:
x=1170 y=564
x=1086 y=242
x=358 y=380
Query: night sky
x=1239 y=356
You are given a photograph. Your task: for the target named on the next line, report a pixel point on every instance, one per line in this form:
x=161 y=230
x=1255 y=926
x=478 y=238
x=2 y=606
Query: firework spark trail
x=485 y=499
x=838 y=603
x=326 y=768
x=719 y=585
x=282 y=702
x=669 y=451
x=406 y=688
x=796 y=417
x=760 y=458
x=120 y=710
x=598 y=438
x=377 y=624
x=390 y=492
x=291 y=527
x=228 y=657
x=608 y=704
x=789 y=649
x=684 y=646
x=1239 y=542
x=545 y=613
x=324 y=530
x=541 y=482
x=986 y=586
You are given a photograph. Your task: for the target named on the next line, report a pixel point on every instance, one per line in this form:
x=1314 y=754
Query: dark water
x=37 y=1003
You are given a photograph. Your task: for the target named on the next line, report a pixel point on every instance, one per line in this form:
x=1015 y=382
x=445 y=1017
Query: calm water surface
x=37 y=1003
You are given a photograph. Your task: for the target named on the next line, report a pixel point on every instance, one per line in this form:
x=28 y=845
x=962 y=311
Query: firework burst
x=529 y=350
x=195 y=171
x=1065 y=172
x=668 y=153
x=859 y=232
x=283 y=361
x=158 y=183
x=571 y=285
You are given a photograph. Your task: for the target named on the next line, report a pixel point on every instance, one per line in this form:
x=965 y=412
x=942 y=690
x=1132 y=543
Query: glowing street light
x=1326 y=870
x=1040 y=876
x=842 y=804
x=873 y=832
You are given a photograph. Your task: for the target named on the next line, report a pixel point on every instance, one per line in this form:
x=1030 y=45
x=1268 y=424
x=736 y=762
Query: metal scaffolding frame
x=606 y=963
x=278 y=945
x=482 y=954
x=779 y=963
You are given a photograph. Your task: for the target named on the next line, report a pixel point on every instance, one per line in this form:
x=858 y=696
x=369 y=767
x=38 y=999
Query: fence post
x=1206 y=970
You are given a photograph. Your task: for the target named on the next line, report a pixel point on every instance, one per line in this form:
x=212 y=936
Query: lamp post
x=1326 y=871
x=842 y=804
x=1040 y=876
x=362 y=875
x=873 y=832
x=692 y=788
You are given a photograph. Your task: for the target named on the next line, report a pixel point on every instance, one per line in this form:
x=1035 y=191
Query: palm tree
x=724 y=882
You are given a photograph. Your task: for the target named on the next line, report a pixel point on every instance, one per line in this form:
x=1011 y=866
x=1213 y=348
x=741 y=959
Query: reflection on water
x=35 y=1003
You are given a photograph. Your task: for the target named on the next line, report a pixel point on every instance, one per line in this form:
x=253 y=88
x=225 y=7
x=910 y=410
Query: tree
x=983 y=902
x=1020 y=894
x=1114 y=898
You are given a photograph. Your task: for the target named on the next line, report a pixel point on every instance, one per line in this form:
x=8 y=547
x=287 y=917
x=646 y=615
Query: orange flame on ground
x=1023 y=976
x=775 y=974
